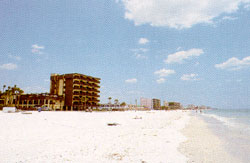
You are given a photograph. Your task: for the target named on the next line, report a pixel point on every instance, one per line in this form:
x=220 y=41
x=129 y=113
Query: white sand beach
x=85 y=137
x=142 y=136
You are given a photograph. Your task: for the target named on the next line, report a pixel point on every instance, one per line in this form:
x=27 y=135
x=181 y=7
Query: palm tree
x=11 y=94
x=123 y=104
x=110 y=100
x=16 y=92
x=116 y=101
x=20 y=91
x=4 y=86
x=7 y=95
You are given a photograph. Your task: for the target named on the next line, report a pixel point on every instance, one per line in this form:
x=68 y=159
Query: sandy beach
x=142 y=136
x=86 y=137
x=203 y=145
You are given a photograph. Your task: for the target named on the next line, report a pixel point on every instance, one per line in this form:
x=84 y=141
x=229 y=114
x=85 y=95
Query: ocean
x=232 y=126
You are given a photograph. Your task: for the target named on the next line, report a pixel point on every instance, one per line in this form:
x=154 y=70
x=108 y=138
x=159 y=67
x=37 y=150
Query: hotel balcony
x=95 y=95
x=94 y=85
x=76 y=82
x=76 y=98
x=91 y=80
x=83 y=82
x=83 y=93
x=88 y=94
x=76 y=87
x=93 y=100
x=76 y=93
x=95 y=90
x=97 y=86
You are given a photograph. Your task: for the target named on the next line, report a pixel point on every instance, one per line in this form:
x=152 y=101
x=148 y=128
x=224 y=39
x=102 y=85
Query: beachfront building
x=191 y=106
x=146 y=103
x=33 y=101
x=1 y=101
x=202 y=107
x=174 y=105
x=156 y=104
x=112 y=107
x=80 y=92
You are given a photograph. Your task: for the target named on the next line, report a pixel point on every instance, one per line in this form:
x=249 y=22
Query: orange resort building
x=79 y=91
x=68 y=92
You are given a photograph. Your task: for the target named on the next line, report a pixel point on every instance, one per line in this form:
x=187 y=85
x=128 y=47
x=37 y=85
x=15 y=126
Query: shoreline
x=202 y=144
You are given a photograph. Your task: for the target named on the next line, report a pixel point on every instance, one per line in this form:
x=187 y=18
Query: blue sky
x=186 y=51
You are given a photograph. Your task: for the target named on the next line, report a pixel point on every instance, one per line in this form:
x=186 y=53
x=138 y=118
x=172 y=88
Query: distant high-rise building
x=146 y=102
x=156 y=104
x=79 y=91
x=191 y=106
x=174 y=105
x=165 y=103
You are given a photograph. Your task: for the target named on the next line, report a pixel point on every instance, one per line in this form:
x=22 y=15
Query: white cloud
x=133 y=80
x=139 y=53
x=190 y=77
x=140 y=56
x=14 y=57
x=178 y=13
x=164 y=72
x=8 y=66
x=143 y=41
x=229 y=18
x=234 y=63
x=161 y=80
x=36 y=49
x=179 y=56
x=144 y=50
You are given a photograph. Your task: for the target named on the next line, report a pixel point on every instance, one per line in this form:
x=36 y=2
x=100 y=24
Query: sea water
x=233 y=128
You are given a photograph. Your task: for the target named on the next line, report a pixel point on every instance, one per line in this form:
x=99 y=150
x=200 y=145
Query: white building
x=165 y=103
x=146 y=102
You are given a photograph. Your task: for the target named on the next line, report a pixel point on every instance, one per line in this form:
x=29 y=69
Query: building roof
x=55 y=74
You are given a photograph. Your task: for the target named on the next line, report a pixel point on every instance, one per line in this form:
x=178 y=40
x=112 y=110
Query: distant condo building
x=146 y=103
x=79 y=91
x=156 y=104
x=174 y=105
x=191 y=106
x=202 y=107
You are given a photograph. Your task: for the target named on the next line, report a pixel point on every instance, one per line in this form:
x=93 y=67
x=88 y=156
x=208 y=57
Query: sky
x=193 y=52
